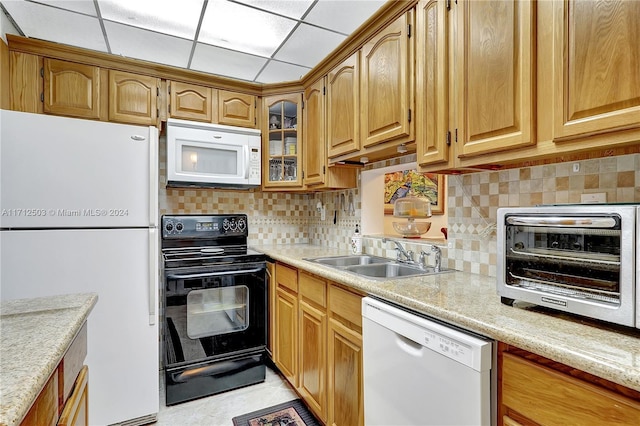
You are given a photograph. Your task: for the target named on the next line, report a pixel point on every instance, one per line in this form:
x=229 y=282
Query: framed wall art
x=405 y=182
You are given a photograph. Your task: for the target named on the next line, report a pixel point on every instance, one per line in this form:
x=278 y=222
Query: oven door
x=213 y=313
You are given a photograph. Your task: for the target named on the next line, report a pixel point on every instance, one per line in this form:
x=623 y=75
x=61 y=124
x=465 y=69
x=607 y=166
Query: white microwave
x=212 y=155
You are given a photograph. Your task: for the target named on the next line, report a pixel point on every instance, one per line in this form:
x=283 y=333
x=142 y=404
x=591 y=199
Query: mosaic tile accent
x=474 y=199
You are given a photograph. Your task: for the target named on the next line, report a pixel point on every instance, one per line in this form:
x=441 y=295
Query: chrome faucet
x=408 y=255
x=438 y=258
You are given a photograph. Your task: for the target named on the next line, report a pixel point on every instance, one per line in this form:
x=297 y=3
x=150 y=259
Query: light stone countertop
x=470 y=301
x=35 y=335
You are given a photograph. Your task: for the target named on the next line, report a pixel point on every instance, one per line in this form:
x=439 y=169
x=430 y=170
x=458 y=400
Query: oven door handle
x=582 y=222
x=213 y=274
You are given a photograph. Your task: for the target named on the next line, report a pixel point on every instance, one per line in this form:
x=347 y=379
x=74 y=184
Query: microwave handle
x=246 y=161
x=563 y=222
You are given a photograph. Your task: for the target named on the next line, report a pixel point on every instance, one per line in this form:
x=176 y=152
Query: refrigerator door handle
x=153 y=176
x=153 y=274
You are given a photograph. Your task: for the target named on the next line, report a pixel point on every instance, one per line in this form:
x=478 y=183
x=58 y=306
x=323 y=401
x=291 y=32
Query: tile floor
x=218 y=410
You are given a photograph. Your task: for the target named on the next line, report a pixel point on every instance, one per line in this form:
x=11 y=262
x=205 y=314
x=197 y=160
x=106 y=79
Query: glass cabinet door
x=282 y=144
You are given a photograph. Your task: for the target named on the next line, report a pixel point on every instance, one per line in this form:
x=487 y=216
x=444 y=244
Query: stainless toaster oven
x=575 y=258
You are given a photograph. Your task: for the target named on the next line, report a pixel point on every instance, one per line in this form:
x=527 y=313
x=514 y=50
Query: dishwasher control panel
x=448 y=347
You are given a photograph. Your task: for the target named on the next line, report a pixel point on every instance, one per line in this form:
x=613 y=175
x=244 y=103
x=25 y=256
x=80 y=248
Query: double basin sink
x=375 y=267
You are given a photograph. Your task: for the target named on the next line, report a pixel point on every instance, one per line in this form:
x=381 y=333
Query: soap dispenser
x=356 y=241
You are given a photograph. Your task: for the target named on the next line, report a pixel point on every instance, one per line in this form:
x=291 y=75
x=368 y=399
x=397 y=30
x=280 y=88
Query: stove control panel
x=204 y=226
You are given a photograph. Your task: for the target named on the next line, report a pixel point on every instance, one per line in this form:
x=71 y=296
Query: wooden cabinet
x=346 y=392
x=133 y=98
x=76 y=410
x=236 y=109
x=317 y=172
x=286 y=323
x=190 y=101
x=64 y=398
x=433 y=126
x=488 y=105
x=313 y=343
x=281 y=147
x=328 y=370
x=537 y=391
x=343 y=107
x=596 y=74
x=71 y=89
x=386 y=85
x=26 y=82
x=495 y=76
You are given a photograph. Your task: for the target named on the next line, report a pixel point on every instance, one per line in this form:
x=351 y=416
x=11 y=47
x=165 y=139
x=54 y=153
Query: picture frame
x=399 y=184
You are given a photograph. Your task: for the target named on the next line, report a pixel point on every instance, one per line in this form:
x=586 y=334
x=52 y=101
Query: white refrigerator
x=79 y=213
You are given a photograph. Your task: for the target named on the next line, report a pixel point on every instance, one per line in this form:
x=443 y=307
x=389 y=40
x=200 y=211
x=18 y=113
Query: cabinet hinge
x=41 y=71
x=169 y=108
x=169 y=88
x=448 y=138
x=409 y=31
x=302 y=104
x=41 y=96
x=303 y=174
x=409 y=116
x=157 y=91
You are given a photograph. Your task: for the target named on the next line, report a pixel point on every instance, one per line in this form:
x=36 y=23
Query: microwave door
x=207 y=162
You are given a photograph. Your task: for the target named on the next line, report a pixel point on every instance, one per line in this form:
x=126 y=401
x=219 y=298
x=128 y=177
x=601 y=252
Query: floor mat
x=292 y=413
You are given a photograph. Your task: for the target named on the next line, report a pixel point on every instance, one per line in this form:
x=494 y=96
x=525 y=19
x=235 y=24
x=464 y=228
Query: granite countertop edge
x=35 y=333
x=599 y=348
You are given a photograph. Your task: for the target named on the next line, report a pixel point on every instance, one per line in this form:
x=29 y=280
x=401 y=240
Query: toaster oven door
x=573 y=260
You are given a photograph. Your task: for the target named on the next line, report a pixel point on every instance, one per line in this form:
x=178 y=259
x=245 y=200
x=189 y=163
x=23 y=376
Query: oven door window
x=215 y=311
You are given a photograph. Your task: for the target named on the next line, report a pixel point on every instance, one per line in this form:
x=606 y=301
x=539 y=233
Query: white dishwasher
x=420 y=372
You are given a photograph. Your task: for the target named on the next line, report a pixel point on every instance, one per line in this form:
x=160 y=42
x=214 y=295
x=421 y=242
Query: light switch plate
x=598 y=197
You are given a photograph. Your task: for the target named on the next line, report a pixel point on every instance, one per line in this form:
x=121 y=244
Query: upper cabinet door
x=597 y=67
x=191 y=102
x=343 y=107
x=495 y=76
x=387 y=84
x=315 y=156
x=71 y=89
x=236 y=109
x=133 y=98
x=432 y=82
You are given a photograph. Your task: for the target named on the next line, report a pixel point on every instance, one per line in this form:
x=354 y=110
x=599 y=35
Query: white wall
x=6 y=27
x=374 y=221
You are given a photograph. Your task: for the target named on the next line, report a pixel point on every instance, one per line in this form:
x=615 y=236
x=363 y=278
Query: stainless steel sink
x=374 y=267
x=362 y=259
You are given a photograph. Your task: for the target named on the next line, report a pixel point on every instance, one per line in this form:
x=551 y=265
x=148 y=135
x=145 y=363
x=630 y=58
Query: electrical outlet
x=576 y=167
x=598 y=197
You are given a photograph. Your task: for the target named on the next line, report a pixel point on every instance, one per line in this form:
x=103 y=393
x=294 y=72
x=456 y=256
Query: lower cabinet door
x=313 y=359
x=286 y=335
x=76 y=410
x=345 y=376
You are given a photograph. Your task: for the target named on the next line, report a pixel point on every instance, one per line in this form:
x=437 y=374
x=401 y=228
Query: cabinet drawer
x=345 y=304
x=313 y=289
x=546 y=396
x=287 y=277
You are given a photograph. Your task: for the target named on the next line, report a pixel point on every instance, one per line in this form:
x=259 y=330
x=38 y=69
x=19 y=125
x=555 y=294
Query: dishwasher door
x=421 y=372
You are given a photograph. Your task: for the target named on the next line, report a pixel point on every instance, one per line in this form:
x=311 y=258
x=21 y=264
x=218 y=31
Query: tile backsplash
x=472 y=203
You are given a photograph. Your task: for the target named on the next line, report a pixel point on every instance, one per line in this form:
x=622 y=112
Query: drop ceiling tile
x=138 y=43
x=277 y=72
x=228 y=63
x=344 y=16
x=48 y=23
x=177 y=18
x=84 y=6
x=308 y=45
x=259 y=33
x=292 y=8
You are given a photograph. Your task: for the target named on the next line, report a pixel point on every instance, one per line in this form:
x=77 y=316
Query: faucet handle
x=422 y=260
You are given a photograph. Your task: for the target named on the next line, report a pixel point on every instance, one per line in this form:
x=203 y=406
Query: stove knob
x=233 y=225
x=179 y=227
x=225 y=224
x=242 y=225
x=169 y=227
